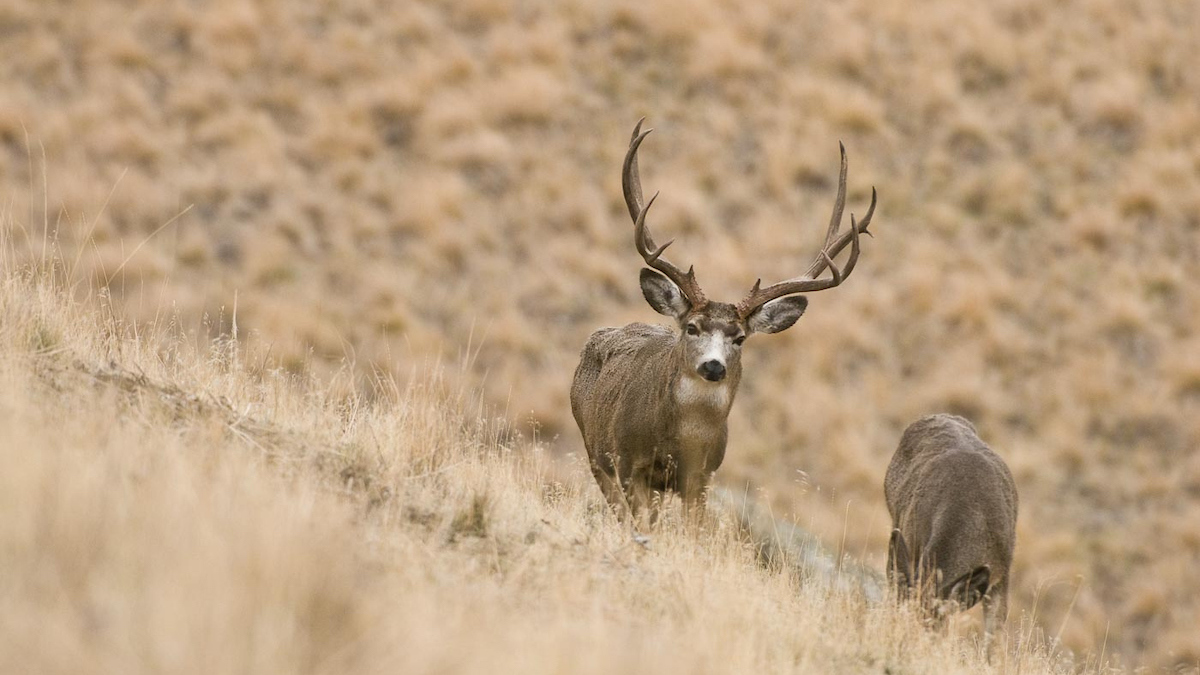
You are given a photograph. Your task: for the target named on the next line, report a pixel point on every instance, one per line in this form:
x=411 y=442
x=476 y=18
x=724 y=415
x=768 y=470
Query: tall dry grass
x=170 y=506
x=376 y=186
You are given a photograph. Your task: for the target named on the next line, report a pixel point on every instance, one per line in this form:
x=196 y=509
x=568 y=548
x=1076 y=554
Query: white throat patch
x=702 y=409
x=693 y=391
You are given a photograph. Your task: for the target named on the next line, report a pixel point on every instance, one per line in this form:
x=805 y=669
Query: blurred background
x=385 y=186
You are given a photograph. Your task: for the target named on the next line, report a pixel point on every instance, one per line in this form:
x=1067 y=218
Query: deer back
x=952 y=500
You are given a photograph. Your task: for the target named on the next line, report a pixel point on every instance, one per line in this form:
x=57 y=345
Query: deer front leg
x=693 y=489
x=643 y=502
x=610 y=487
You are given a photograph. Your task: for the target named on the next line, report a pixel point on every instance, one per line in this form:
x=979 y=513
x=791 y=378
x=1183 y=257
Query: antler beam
x=834 y=244
x=631 y=185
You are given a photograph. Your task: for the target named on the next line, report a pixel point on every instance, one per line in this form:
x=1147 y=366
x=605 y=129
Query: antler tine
x=835 y=220
x=631 y=185
x=642 y=239
x=631 y=182
x=840 y=243
x=837 y=275
x=834 y=244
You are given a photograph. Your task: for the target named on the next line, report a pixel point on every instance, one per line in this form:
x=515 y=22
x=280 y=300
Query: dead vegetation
x=185 y=515
x=367 y=183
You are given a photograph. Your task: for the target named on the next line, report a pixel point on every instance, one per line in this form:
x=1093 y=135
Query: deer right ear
x=663 y=295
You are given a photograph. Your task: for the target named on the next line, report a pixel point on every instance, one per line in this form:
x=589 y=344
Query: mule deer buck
x=652 y=402
x=954 y=506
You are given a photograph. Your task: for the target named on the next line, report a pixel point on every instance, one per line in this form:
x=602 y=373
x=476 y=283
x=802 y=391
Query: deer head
x=939 y=598
x=712 y=333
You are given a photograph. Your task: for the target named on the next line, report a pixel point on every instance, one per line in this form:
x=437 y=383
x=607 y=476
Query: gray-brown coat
x=648 y=425
x=953 y=504
x=652 y=402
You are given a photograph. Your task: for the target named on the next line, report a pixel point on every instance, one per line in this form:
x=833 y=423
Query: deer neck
x=700 y=427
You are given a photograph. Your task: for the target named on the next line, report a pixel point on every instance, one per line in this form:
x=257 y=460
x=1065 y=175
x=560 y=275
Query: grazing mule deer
x=652 y=402
x=954 y=505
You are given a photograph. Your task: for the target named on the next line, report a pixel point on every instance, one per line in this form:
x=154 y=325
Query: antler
x=834 y=244
x=631 y=185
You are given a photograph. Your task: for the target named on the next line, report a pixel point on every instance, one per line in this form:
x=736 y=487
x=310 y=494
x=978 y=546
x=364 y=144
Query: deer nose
x=713 y=371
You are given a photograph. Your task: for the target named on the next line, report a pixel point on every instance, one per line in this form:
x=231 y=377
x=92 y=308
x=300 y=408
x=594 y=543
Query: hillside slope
x=168 y=508
x=377 y=186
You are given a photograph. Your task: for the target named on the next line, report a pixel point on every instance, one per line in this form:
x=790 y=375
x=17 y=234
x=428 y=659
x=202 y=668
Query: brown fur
x=651 y=403
x=649 y=424
x=953 y=504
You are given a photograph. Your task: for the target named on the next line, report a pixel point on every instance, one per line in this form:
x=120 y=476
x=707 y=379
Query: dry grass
x=383 y=185
x=168 y=508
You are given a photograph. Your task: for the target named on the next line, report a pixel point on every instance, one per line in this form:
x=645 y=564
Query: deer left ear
x=777 y=315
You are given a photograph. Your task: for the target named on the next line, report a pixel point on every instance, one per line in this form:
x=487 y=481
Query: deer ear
x=663 y=295
x=778 y=314
x=969 y=588
x=899 y=565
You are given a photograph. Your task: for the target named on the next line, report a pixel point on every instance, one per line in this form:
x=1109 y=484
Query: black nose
x=713 y=371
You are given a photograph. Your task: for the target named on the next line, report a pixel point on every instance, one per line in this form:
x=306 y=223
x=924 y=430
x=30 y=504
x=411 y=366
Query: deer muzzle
x=712 y=370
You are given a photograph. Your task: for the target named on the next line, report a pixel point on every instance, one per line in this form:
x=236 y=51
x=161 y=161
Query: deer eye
x=692 y=329
x=739 y=340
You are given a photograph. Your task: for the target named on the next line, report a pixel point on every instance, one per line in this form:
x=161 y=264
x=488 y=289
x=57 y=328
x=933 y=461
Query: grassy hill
x=380 y=187
x=169 y=506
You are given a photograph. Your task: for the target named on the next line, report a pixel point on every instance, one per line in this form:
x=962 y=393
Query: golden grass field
x=379 y=188
x=174 y=509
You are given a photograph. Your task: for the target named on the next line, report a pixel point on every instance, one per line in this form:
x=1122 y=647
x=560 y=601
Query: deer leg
x=693 y=489
x=610 y=487
x=643 y=503
x=995 y=616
